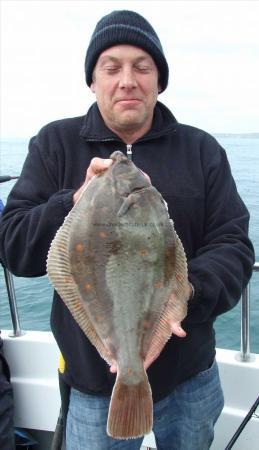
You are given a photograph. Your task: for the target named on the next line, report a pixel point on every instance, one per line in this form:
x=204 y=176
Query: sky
x=212 y=48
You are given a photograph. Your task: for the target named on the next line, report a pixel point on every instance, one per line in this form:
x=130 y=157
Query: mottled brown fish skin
x=126 y=278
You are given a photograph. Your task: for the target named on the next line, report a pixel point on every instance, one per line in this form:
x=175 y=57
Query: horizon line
x=214 y=133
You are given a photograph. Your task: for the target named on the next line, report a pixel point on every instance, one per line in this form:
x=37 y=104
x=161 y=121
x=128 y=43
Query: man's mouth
x=129 y=101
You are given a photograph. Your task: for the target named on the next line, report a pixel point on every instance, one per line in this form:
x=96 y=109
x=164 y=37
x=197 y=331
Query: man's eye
x=111 y=69
x=143 y=69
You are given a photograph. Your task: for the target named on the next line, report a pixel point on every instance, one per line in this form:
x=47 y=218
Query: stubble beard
x=128 y=121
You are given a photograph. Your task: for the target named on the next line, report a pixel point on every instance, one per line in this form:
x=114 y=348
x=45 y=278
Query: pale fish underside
x=120 y=268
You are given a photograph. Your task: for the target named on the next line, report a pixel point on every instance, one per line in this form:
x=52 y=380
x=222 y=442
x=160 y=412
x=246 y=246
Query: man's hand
x=97 y=166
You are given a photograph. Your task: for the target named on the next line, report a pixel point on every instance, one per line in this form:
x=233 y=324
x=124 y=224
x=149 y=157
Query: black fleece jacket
x=191 y=171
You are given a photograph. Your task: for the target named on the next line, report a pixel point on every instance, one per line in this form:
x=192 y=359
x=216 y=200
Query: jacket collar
x=94 y=128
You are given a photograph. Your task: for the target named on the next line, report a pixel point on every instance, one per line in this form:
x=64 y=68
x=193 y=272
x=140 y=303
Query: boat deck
x=33 y=360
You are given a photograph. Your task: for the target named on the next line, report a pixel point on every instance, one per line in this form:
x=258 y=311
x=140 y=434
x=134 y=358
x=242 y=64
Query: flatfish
x=121 y=269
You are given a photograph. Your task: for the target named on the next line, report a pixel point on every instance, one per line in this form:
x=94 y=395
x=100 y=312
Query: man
x=126 y=69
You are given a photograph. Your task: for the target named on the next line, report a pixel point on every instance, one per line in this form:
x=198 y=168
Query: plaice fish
x=121 y=269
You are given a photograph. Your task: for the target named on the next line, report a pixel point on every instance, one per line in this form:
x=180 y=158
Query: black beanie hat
x=125 y=27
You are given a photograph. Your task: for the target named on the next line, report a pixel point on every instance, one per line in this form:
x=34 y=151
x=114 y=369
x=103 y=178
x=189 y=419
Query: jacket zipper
x=129 y=151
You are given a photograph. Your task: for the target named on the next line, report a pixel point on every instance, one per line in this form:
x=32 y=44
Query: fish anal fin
x=163 y=331
x=161 y=335
x=131 y=410
x=59 y=272
x=175 y=309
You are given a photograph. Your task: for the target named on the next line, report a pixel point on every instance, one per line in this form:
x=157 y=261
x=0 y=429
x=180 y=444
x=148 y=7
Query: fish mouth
x=118 y=156
x=138 y=181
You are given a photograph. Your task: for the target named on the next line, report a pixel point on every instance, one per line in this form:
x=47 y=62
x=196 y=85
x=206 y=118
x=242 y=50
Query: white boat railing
x=12 y=303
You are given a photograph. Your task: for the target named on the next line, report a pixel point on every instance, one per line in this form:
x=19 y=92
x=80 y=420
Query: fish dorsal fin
x=175 y=309
x=59 y=272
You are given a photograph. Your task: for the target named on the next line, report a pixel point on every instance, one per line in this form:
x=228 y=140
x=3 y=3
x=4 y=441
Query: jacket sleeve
x=222 y=264
x=35 y=209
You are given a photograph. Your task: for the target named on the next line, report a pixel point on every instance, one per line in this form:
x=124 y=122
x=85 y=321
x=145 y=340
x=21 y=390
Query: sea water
x=34 y=295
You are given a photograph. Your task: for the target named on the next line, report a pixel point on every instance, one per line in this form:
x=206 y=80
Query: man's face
x=125 y=82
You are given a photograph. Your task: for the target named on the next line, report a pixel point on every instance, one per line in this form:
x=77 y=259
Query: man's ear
x=92 y=87
x=159 y=88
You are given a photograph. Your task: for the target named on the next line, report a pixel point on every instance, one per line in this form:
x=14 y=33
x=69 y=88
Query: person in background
x=126 y=69
x=6 y=396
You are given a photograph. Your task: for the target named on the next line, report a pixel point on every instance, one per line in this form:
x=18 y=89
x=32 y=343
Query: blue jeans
x=184 y=420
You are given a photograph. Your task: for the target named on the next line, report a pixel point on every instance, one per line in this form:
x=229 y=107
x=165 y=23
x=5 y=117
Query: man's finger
x=177 y=329
x=98 y=165
x=113 y=368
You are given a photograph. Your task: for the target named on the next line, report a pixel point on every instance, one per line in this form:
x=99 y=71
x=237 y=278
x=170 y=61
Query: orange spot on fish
x=88 y=286
x=103 y=234
x=158 y=285
x=79 y=248
x=143 y=252
x=146 y=324
x=77 y=305
x=99 y=319
x=130 y=371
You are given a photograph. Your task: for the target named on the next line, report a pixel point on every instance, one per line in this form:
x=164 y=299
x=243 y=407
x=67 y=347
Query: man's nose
x=127 y=78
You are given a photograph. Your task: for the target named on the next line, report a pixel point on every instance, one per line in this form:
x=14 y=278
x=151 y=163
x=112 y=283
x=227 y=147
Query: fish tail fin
x=131 y=409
